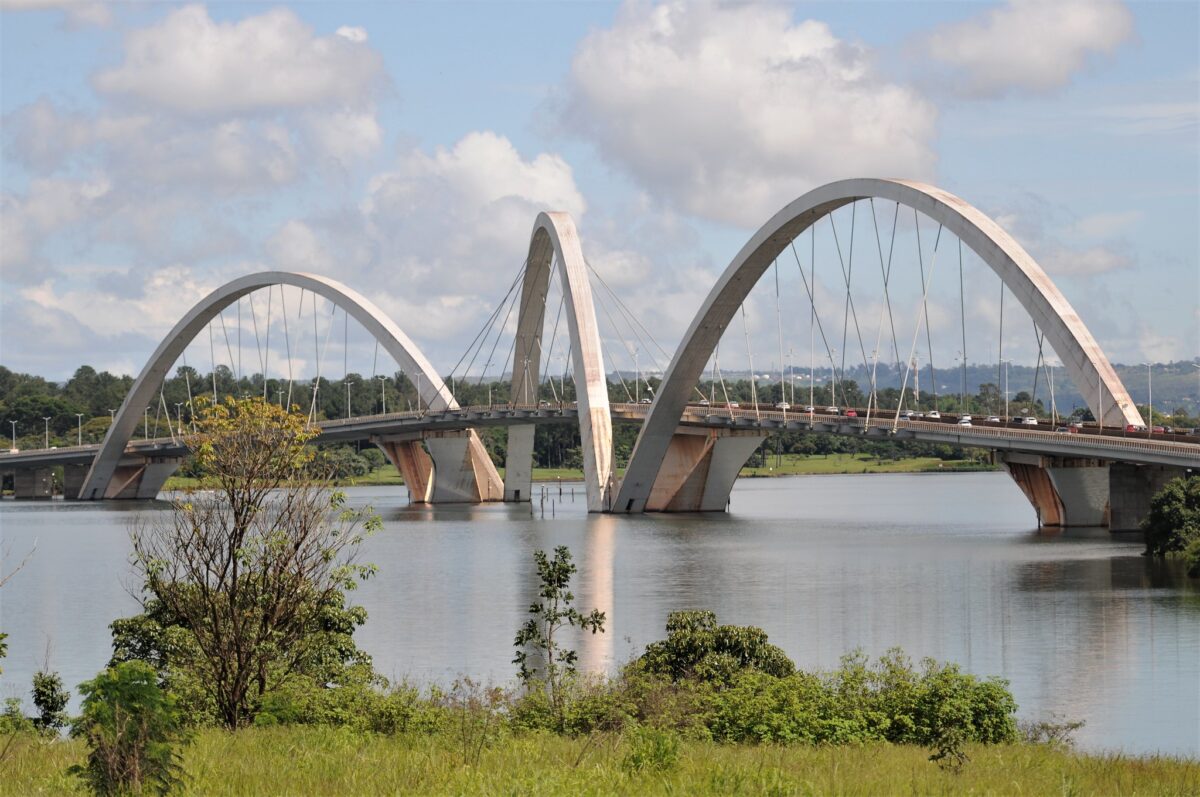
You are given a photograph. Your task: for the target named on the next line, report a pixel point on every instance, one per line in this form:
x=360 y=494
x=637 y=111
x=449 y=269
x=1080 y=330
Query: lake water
x=943 y=565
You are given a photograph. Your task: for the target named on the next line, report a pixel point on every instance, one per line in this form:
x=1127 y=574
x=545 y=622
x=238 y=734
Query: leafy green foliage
x=133 y=731
x=651 y=749
x=256 y=572
x=50 y=699
x=553 y=611
x=697 y=648
x=1173 y=525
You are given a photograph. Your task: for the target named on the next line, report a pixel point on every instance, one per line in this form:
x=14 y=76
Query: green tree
x=132 y=729
x=696 y=647
x=1173 y=525
x=50 y=699
x=553 y=611
x=249 y=569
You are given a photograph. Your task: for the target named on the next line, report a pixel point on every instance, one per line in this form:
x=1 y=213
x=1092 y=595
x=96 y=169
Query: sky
x=153 y=151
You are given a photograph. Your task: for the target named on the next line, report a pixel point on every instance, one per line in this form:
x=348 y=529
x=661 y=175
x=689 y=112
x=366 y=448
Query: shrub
x=1173 y=524
x=651 y=749
x=51 y=701
x=696 y=647
x=132 y=729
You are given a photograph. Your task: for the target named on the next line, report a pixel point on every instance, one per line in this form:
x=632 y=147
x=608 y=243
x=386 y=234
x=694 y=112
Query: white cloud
x=1029 y=45
x=1099 y=225
x=730 y=111
x=1061 y=261
x=79 y=13
x=49 y=206
x=192 y=65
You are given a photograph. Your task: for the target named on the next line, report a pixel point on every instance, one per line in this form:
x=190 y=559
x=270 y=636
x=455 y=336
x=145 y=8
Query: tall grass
x=329 y=761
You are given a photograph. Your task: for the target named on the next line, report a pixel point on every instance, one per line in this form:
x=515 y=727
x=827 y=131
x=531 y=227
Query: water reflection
x=947 y=566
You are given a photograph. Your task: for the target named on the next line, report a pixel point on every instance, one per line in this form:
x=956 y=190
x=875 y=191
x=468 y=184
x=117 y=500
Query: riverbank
x=316 y=760
x=787 y=465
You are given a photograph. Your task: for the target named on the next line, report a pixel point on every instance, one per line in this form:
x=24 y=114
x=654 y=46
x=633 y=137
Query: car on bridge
x=934 y=414
x=782 y=405
x=993 y=419
x=809 y=408
x=964 y=421
x=850 y=412
x=1029 y=420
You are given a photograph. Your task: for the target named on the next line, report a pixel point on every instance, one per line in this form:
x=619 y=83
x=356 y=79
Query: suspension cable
x=750 y=361
x=816 y=316
x=917 y=331
x=925 y=301
x=962 y=311
x=287 y=341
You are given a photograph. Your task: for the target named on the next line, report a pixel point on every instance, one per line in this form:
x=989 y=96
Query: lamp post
x=47 y=420
x=348 y=384
x=79 y=429
x=146 y=424
x=637 y=375
x=1007 y=417
x=1150 y=399
x=383 y=392
x=280 y=392
x=418 y=391
x=112 y=417
x=962 y=384
x=14 y=430
x=179 y=416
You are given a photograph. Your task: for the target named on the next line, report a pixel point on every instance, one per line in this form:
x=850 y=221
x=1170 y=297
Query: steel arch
x=1086 y=364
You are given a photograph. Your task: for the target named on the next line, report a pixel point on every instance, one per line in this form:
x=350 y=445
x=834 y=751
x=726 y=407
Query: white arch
x=1086 y=364
x=555 y=234
x=433 y=391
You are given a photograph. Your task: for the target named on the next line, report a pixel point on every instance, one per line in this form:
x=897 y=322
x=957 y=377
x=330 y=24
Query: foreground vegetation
x=327 y=761
x=241 y=676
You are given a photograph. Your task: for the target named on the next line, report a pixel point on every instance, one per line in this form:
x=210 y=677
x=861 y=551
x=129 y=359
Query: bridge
x=687 y=456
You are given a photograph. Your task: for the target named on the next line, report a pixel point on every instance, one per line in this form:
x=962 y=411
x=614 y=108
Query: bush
x=51 y=701
x=132 y=729
x=696 y=647
x=651 y=749
x=1173 y=524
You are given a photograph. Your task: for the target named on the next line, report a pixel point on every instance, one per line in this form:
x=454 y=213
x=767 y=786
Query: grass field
x=792 y=465
x=327 y=761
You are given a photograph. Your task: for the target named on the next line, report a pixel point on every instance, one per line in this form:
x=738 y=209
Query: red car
x=850 y=413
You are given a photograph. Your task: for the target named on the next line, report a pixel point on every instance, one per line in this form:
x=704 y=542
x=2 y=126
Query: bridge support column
x=414 y=464
x=29 y=483
x=1131 y=487
x=73 y=478
x=141 y=478
x=455 y=470
x=1064 y=491
x=518 y=463
x=462 y=470
x=700 y=468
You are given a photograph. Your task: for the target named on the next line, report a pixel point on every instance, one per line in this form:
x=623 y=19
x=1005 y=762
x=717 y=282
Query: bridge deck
x=1000 y=437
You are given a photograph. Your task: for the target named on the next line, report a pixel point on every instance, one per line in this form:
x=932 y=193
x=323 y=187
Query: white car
x=783 y=405
x=831 y=410
x=809 y=408
x=1029 y=421
x=934 y=414
x=993 y=419
x=964 y=421
x=965 y=418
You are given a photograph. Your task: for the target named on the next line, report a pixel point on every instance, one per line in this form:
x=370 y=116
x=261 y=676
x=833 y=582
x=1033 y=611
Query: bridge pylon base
x=1064 y=491
x=700 y=468
x=455 y=469
x=33 y=483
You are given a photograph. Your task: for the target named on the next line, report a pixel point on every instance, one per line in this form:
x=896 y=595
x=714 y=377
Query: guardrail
x=692 y=413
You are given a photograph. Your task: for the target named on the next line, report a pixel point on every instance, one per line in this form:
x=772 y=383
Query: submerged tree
x=251 y=568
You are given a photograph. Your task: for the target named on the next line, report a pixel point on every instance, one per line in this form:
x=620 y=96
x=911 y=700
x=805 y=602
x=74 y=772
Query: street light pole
x=112 y=417
x=79 y=429
x=1150 y=401
x=146 y=424
x=383 y=392
x=47 y=420
x=14 y=430
x=348 y=383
